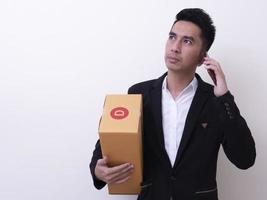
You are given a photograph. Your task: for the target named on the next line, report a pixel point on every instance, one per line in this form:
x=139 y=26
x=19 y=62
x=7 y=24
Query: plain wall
x=58 y=60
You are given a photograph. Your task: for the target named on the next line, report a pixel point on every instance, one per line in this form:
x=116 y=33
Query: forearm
x=238 y=142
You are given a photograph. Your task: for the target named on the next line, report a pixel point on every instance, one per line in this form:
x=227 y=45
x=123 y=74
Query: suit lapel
x=198 y=102
x=156 y=109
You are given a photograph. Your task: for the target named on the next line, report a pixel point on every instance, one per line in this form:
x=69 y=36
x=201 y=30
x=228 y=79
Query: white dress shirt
x=174 y=113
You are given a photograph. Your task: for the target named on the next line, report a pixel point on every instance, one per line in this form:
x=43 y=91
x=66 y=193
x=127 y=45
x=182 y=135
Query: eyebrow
x=185 y=36
x=172 y=33
x=189 y=38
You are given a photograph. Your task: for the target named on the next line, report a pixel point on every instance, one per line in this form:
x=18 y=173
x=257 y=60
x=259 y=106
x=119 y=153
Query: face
x=184 y=48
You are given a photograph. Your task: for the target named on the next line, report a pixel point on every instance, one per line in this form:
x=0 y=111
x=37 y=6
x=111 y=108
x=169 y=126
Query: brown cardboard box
x=120 y=133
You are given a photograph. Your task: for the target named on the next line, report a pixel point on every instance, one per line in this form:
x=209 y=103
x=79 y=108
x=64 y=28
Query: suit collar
x=203 y=86
x=158 y=83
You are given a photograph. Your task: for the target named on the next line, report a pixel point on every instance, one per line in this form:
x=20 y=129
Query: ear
x=202 y=56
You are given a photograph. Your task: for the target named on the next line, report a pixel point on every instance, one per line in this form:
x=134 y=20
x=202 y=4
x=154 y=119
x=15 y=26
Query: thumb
x=103 y=161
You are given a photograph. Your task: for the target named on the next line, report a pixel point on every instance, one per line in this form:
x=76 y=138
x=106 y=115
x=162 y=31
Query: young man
x=185 y=121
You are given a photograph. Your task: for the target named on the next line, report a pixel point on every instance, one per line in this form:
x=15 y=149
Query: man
x=185 y=121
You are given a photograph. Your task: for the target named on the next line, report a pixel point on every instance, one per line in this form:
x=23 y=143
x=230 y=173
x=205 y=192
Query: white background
x=58 y=60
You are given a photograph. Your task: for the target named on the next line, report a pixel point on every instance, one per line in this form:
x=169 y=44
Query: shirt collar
x=193 y=84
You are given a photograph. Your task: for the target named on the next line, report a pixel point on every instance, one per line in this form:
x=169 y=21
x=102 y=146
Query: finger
x=117 y=169
x=122 y=180
x=212 y=68
x=121 y=176
x=213 y=73
x=207 y=58
x=113 y=174
x=216 y=69
x=107 y=174
x=211 y=62
x=213 y=76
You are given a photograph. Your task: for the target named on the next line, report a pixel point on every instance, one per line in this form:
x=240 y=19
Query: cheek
x=167 y=50
x=167 y=47
x=193 y=56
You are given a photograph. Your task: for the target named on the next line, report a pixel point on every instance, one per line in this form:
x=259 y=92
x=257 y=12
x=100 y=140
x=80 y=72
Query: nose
x=176 y=47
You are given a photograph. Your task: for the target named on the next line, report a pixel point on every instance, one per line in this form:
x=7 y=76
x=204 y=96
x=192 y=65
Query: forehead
x=185 y=28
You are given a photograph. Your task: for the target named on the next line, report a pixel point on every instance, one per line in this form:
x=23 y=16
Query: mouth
x=173 y=59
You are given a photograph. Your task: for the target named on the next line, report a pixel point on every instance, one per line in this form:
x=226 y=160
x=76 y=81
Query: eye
x=171 y=37
x=187 y=41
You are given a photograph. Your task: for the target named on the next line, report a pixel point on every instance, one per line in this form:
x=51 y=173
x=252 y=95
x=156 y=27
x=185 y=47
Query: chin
x=173 y=67
x=174 y=70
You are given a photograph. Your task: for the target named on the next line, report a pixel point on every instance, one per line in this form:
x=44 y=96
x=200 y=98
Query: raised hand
x=215 y=71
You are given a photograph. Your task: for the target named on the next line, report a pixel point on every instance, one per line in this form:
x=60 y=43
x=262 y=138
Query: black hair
x=200 y=18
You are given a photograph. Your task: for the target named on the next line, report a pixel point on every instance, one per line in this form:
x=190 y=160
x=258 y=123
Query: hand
x=117 y=174
x=215 y=71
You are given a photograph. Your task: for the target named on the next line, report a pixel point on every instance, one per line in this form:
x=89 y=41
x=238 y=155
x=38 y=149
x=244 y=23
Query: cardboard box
x=120 y=132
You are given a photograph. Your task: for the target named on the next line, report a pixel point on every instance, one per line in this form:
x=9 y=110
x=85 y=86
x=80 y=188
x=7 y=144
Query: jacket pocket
x=145 y=188
x=206 y=193
x=146 y=185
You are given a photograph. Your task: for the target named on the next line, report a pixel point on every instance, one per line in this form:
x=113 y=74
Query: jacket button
x=226 y=104
x=173 y=178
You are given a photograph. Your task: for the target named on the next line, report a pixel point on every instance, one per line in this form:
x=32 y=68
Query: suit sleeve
x=133 y=90
x=238 y=143
x=97 y=154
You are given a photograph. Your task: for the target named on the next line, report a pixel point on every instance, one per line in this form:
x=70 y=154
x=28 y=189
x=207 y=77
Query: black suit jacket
x=211 y=121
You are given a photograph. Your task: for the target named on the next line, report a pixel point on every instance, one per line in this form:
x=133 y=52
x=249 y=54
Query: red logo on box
x=119 y=113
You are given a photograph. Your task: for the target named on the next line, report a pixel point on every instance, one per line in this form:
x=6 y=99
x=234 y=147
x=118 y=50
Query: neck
x=176 y=82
